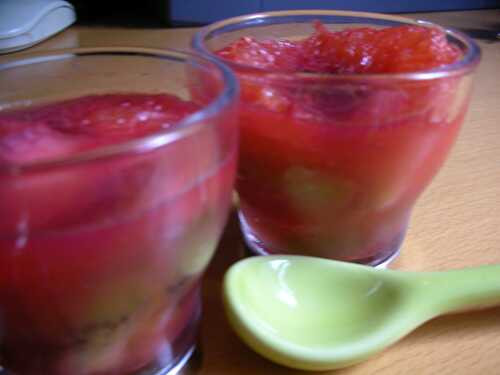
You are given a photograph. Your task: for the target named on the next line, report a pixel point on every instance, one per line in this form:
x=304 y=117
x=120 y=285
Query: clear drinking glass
x=332 y=164
x=102 y=252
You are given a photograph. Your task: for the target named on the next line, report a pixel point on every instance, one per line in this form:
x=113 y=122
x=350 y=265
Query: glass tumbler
x=332 y=164
x=102 y=251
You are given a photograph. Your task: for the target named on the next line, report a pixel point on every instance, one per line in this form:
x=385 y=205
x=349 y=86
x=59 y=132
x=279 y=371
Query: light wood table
x=455 y=224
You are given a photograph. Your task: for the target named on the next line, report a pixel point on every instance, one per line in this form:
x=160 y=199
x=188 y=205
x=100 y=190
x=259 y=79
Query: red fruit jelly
x=331 y=162
x=100 y=260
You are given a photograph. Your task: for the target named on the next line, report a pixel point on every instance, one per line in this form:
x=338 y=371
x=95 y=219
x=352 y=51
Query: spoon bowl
x=317 y=314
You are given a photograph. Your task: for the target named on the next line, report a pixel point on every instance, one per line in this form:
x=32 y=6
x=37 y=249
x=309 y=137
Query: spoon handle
x=464 y=289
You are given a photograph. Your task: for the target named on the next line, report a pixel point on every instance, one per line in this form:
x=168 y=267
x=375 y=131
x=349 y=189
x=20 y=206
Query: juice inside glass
x=116 y=171
x=333 y=159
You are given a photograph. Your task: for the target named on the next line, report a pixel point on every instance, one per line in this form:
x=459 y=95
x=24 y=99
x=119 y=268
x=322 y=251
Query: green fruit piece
x=315 y=194
x=197 y=249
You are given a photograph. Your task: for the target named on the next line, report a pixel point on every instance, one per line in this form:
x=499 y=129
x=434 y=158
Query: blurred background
x=162 y=13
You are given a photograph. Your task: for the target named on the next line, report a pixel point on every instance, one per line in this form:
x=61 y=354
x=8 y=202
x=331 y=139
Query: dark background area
x=164 y=13
x=132 y=13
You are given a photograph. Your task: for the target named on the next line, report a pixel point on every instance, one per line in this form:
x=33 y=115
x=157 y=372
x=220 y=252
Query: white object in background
x=24 y=23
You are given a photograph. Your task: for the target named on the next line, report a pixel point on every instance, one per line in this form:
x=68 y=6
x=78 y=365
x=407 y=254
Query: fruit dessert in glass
x=116 y=171
x=345 y=118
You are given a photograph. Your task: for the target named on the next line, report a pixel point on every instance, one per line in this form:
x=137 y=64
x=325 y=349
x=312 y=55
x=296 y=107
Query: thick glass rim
x=466 y=64
x=189 y=125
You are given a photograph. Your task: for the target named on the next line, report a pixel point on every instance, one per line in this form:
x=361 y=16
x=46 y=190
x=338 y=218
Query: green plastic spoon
x=316 y=314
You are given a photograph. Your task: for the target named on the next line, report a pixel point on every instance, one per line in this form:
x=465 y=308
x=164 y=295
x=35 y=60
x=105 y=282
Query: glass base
x=254 y=246
x=174 y=368
x=173 y=358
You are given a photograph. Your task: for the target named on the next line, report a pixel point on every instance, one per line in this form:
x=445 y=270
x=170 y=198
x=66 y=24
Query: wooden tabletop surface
x=455 y=224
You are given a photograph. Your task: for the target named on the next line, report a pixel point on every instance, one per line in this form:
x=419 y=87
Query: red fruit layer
x=355 y=50
x=67 y=127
